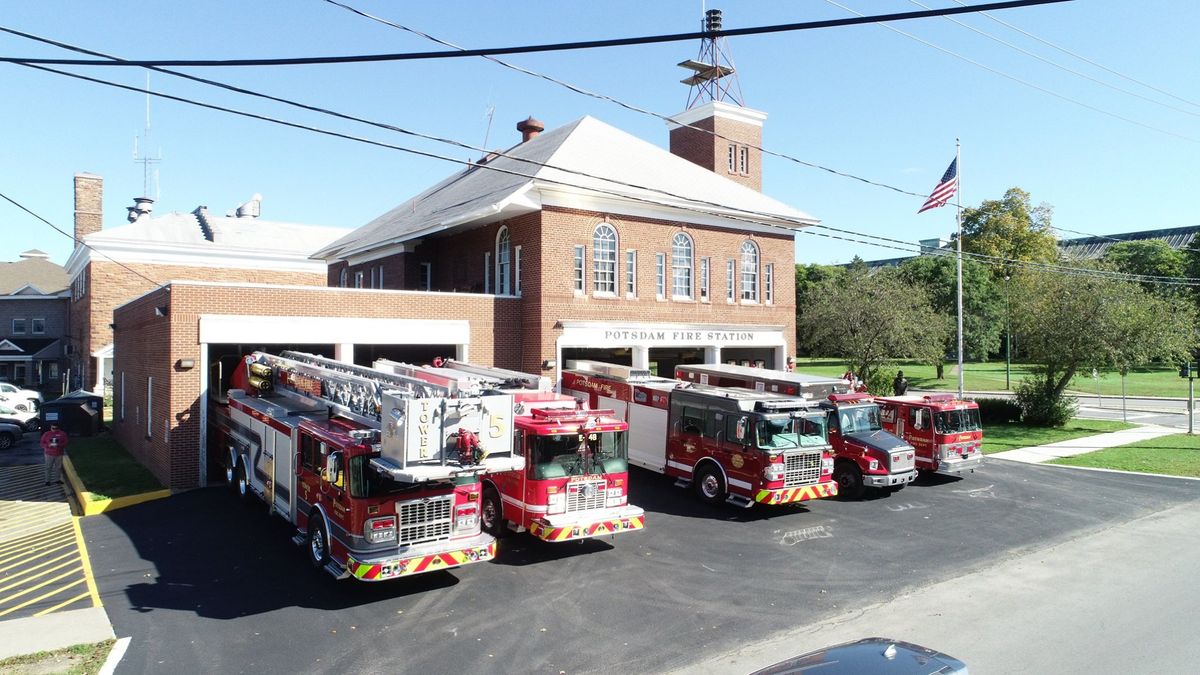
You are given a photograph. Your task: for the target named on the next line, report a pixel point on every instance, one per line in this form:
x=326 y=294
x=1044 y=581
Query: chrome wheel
x=710 y=485
x=491 y=513
x=318 y=541
x=33 y=425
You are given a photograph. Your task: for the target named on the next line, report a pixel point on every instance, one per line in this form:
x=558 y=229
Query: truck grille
x=586 y=495
x=423 y=520
x=802 y=468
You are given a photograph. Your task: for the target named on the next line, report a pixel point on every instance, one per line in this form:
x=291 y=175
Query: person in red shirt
x=54 y=446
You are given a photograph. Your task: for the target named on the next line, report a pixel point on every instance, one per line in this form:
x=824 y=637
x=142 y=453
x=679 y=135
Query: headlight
x=378 y=530
x=826 y=465
x=874 y=465
x=773 y=472
x=557 y=503
x=466 y=516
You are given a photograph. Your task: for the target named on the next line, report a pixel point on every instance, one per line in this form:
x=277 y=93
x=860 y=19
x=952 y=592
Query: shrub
x=879 y=382
x=998 y=410
x=1041 y=406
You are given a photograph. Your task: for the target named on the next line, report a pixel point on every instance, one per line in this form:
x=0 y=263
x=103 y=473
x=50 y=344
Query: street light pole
x=1007 y=339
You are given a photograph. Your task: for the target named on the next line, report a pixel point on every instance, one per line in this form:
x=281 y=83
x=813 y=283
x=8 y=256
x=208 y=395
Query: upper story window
x=344 y=277
x=732 y=158
x=426 y=276
x=631 y=273
x=503 y=262
x=704 y=263
x=604 y=260
x=729 y=274
x=37 y=326
x=18 y=326
x=579 y=253
x=358 y=279
x=79 y=285
x=681 y=266
x=769 y=283
x=517 y=269
x=743 y=160
x=749 y=271
x=660 y=275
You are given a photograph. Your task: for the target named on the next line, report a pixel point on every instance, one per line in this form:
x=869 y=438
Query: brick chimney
x=530 y=128
x=89 y=202
x=733 y=151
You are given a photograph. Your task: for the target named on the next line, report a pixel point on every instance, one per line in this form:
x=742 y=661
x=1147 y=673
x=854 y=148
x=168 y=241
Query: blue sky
x=861 y=100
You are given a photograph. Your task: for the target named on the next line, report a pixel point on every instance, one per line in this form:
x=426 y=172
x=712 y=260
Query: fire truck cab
x=730 y=445
x=364 y=467
x=945 y=431
x=574 y=480
x=867 y=456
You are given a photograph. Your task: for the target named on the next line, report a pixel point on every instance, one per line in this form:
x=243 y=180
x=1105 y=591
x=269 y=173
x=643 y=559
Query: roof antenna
x=145 y=159
x=490 y=114
x=713 y=78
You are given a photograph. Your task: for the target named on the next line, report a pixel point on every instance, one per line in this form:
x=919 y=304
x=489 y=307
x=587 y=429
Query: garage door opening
x=621 y=356
x=759 y=357
x=664 y=359
x=366 y=355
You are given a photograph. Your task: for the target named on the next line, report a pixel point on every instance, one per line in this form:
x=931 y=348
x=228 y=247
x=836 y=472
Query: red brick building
x=580 y=242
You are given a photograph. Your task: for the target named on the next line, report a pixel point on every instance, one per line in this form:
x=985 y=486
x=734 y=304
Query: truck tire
x=242 y=487
x=849 y=480
x=33 y=425
x=317 y=540
x=6 y=440
x=491 y=513
x=709 y=484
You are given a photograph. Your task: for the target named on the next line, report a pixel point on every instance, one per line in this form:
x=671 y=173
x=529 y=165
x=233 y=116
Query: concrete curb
x=53 y=631
x=90 y=504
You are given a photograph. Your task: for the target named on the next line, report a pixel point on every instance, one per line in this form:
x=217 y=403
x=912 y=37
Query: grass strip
x=107 y=470
x=1001 y=437
x=86 y=659
x=1175 y=455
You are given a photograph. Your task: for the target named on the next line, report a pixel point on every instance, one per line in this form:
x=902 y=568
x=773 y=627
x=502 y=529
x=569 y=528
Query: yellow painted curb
x=93 y=505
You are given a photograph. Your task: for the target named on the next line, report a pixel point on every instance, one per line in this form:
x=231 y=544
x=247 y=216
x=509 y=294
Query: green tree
x=1010 y=228
x=808 y=279
x=983 y=303
x=1068 y=323
x=871 y=319
x=1150 y=258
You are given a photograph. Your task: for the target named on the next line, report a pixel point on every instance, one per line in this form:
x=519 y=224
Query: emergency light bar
x=938 y=397
x=849 y=398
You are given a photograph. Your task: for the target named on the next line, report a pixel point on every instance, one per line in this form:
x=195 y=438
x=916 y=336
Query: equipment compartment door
x=284 y=456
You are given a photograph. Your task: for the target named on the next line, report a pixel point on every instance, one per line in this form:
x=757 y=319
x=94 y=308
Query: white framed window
x=79 y=285
x=604 y=260
x=732 y=158
x=374 y=271
x=749 y=271
x=704 y=263
x=744 y=160
x=660 y=275
x=487 y=272
x=729 y=275
x=631 y=273
x=149 y=404
x=769 y=283
x=344 y=277
x=579 y=262
x=37 y=326
x=18 y=326
x=503 y=262
x=122 y=396
x=426 y=276
x=358 y=279
x=681 y=266
x=517 y=270
x=19 y=373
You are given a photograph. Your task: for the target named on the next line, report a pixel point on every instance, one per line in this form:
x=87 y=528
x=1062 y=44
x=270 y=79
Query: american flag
x=944 y=190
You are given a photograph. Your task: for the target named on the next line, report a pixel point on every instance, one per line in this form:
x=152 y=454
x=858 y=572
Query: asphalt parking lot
x=204 y=583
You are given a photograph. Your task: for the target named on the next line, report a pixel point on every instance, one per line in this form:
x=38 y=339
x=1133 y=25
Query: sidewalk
x=1078 y=446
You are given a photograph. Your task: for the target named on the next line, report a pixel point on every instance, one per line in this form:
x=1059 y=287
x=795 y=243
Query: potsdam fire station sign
x=602 y=334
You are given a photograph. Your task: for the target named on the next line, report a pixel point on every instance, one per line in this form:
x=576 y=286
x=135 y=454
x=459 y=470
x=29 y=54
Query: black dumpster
x=79 y=413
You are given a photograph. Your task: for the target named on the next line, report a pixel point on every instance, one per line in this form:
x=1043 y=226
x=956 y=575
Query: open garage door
x=621 y=356
x=366 y=355
x=664 y=359
x=760 y=357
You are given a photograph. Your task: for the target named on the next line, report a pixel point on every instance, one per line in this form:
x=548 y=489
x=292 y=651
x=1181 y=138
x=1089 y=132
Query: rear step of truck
x=739 y=500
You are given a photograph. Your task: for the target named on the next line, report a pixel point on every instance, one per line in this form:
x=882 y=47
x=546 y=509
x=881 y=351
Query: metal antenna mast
x=144 y=158
x=713 y=78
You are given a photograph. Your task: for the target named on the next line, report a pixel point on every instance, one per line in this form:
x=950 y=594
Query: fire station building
x=578 y=242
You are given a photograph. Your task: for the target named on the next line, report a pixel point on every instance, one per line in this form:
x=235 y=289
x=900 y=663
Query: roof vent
x=142 y=206
x=251 y=209
x=530 y=128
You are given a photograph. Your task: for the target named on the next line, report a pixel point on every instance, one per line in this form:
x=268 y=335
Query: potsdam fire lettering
x=618 y=335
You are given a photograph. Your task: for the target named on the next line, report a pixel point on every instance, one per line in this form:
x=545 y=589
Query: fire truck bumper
x=797 y=494
x=958 y=465
x=479 y=548
x=888 y=480
x=567 y=527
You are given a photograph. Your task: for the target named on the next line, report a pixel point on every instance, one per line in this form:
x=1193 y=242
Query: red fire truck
x=364 y=465
x=730 y=445
x=575 y=483
x=866 y=455
x=945 y=430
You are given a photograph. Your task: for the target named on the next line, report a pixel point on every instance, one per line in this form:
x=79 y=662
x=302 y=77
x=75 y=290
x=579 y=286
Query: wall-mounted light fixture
x=162 y=311
x=185 y=364
x=549 y=364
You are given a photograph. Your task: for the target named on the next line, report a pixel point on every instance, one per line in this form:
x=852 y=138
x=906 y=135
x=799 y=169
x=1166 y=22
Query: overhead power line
x=1021 y=81
x=724 y=212
x=553 y=47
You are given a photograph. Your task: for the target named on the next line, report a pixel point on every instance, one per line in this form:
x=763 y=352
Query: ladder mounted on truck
x=612 y=370
x=466 y=379
x=423 y=432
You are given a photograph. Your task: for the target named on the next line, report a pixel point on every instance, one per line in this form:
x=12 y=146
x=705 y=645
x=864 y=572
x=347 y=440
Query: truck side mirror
x=333 y=469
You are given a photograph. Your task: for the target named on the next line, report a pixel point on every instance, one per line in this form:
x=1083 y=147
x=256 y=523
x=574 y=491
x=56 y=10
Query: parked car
x=21 y=399
x=877 y=656
x=9 y=435
x=26 y=419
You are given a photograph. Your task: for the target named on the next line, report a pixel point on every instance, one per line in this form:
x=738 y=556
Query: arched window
x=604 y=259
x=749 y=271
x=681 y=266
x=344 y=277
x=503 y=262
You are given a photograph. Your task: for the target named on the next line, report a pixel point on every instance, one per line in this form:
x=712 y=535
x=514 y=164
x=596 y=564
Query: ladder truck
x=730 y=445
x=367 y=467
x=575 y=483
x=865 y=454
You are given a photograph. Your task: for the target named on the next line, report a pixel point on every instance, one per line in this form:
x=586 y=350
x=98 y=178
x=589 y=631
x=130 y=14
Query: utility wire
x=1018 y=80
x=1062 y=67
x=1082 y=58
x=78 y=241
x=553 y=47
x=723 y=212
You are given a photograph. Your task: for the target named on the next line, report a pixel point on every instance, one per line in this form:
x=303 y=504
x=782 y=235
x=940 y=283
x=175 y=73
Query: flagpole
x=958 y=213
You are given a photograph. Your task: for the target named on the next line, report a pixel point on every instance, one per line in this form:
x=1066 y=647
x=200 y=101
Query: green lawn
x=1001 y=437
x=78 y=660
x=1177 y=455
x=990 y=377
x=107 y=470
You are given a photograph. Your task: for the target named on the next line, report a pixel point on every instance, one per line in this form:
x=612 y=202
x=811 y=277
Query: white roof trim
x=105 y=352
x=736 y=113
x=193 y=255
x=9 y=346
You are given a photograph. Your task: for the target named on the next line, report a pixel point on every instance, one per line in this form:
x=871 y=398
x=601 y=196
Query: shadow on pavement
x=658 y=494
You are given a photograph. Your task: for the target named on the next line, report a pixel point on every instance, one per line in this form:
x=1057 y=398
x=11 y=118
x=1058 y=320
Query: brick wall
x=89 y=205
x=712 y=153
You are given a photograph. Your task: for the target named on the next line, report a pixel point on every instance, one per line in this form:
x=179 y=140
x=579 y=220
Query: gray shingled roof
x=478 y=195
x=1094 y=247
x=40 y=273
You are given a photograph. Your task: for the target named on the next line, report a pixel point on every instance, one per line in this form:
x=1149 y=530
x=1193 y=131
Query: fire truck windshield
x=367 y=482
x=780 y=431
x=859 y=419
x=558 y=455
x=956 y=421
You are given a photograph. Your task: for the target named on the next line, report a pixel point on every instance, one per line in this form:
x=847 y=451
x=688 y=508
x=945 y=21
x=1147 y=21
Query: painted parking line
x=44 y=566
